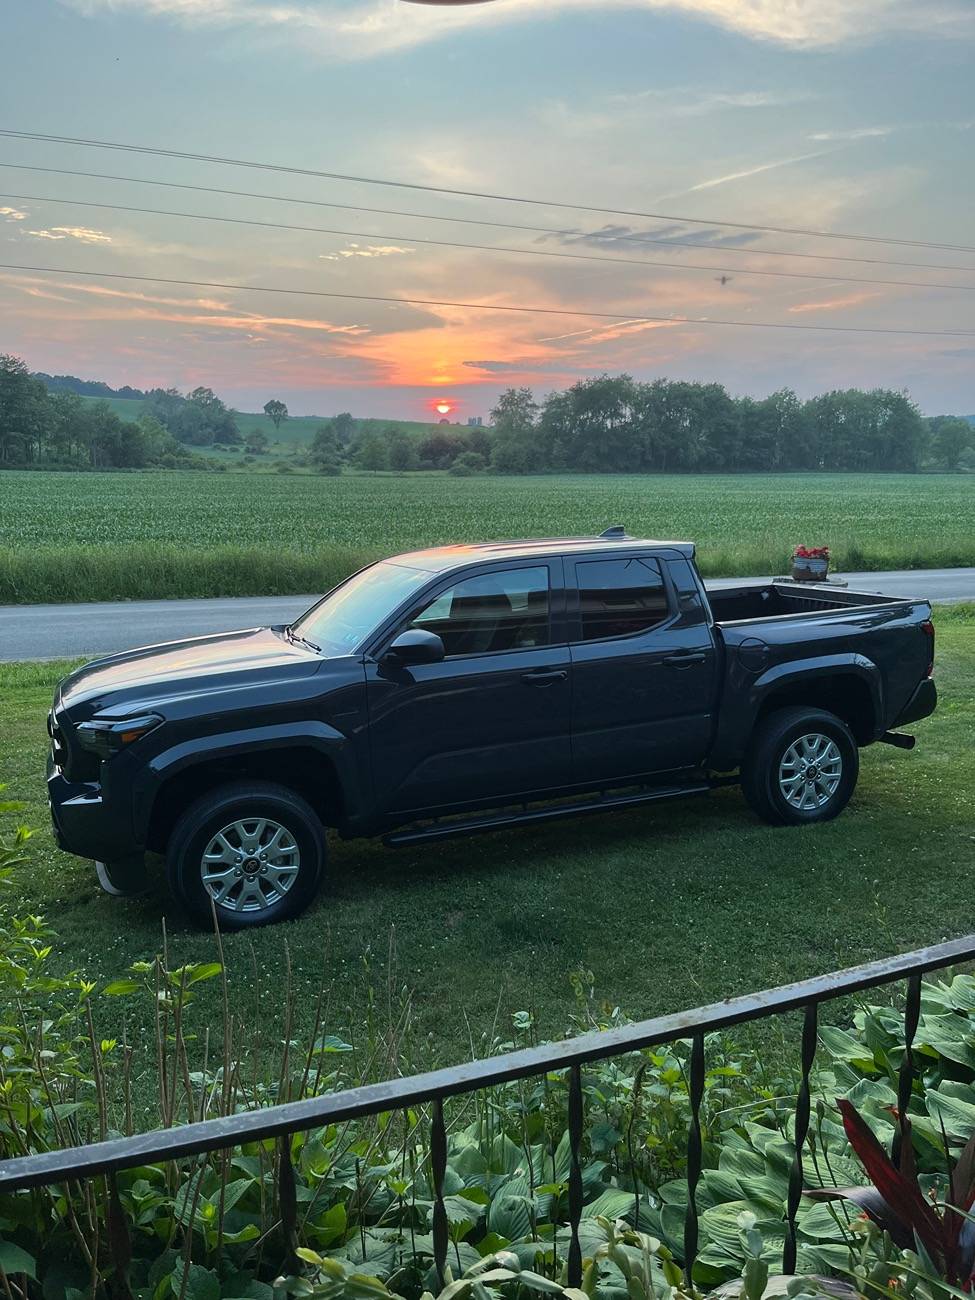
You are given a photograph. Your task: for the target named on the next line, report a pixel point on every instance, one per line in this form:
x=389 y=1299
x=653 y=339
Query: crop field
x=78 y=536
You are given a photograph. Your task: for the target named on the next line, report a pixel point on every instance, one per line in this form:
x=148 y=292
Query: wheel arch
x=850 y=695
x=310 y=765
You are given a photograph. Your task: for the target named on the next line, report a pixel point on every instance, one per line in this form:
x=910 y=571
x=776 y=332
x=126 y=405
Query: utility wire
x=470 y=194
x=490 y=248
x=484 y=306
x=605 y=237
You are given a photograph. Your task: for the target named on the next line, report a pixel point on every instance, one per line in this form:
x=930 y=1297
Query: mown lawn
x=667 y=907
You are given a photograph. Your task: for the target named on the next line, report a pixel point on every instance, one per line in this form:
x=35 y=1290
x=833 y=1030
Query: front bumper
x=85 y=822
x=922 y=704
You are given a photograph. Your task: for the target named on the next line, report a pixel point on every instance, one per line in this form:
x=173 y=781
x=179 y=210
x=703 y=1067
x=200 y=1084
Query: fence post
x=810 y=1034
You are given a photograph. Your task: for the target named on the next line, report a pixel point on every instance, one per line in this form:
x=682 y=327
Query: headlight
x=106 y=737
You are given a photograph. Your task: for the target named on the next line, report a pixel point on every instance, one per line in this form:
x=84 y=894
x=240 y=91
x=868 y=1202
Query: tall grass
x=161 y=570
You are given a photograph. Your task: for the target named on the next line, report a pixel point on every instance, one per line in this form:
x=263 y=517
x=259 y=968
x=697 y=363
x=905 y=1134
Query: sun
x=444 y=408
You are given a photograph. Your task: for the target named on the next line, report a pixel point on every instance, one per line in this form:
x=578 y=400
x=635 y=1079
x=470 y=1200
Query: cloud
x=370 y=250
x=81 y=233
x=496 y=367
x=855 y=133
x=833 y=304
x=747 y=172
x=351 y=29
x=692 y=101
x=611 y=236
x=13 y=214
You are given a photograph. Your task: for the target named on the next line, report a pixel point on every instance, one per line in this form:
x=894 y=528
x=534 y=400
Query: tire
x=774 y=778
x=226 y=822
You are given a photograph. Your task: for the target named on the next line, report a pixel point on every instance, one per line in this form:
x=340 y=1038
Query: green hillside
x=296 y=429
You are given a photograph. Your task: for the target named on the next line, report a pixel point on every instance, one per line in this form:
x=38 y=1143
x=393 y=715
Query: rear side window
x=619 y=597
x=504 y=610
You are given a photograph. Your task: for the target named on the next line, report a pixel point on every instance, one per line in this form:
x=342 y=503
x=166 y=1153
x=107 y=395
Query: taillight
x=927 y=627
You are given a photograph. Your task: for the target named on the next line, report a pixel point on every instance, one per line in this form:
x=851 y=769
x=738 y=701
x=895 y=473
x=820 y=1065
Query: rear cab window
x=619 y=597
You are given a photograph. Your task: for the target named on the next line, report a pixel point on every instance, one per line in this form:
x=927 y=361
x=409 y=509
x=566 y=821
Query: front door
x=492 y=720
x=643 y=673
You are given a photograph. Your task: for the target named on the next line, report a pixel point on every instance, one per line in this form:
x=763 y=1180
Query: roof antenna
x=617 y=533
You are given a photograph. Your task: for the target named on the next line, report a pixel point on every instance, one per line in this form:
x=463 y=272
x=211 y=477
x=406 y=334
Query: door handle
x=685 y=659
x=544 y=676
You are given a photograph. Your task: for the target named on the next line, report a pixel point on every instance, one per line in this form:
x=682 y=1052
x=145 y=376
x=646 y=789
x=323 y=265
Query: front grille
x=59 y=753
x=75 y=763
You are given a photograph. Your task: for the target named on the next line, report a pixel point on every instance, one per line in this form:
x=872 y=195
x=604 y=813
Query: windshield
x=346 y=617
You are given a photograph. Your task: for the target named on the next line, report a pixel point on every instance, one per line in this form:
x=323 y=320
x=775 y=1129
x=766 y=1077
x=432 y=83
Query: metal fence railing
x=282 y=1121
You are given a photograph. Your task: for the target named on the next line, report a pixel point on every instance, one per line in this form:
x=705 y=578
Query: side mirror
x=415 y=646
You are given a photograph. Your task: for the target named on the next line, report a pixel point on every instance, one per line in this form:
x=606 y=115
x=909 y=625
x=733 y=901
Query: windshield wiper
x=302 y=640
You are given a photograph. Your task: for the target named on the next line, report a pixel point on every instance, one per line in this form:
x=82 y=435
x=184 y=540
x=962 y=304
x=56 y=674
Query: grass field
x=668 y=907
x=67 y=536
x=296 y=429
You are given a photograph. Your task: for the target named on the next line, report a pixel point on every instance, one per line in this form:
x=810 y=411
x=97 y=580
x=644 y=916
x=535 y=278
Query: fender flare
x=738 y=724
x=838 y=665
x=178 y=758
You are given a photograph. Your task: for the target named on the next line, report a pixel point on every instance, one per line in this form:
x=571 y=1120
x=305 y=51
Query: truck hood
x=151 y=675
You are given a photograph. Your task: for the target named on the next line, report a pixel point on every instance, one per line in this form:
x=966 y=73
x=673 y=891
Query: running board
x=443 y=830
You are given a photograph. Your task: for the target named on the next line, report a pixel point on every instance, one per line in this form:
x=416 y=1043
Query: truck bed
x=781 y=599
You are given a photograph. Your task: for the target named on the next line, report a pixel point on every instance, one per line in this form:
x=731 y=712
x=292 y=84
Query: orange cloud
x=833 y=304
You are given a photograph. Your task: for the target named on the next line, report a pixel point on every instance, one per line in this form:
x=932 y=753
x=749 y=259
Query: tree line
x=46 y=420
x=606 y=424
x=60 y=429
x=616 y=424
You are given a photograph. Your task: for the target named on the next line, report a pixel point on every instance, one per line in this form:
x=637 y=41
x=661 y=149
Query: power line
x=666 y=242
x=487 y=248
x=485 y=306
x=81 y=142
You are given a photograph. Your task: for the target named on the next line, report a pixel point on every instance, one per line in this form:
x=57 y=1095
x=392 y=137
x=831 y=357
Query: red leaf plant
x=811 y=553
x=898 y=1205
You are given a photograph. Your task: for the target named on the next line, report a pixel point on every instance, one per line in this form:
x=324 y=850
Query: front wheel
x=801 y=766
x=252 y=851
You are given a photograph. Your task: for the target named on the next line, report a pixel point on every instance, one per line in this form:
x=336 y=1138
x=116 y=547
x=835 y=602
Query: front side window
x=508 y=610
x=619 y=597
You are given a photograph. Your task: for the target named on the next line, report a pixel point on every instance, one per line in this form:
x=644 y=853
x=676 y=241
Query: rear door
x=492 y=720
x=643 y=670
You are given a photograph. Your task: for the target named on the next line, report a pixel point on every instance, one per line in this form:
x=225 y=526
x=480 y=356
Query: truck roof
x=438 y=559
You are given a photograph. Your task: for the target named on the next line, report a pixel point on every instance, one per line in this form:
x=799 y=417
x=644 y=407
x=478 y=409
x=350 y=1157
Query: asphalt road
x=69 y=631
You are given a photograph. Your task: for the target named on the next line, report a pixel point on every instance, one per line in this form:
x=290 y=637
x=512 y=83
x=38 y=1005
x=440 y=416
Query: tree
x=401 y=453
x=344 y=427
x=255 y=443
x=951 y=437
x=276 y=411
x=326 y=452
x=514 y=419
x=468 y=462
x=23 y=403
x=370 y=451
x=439 y=450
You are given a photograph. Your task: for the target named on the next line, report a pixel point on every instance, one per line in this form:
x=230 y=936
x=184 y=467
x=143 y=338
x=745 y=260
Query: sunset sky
x=852 y=116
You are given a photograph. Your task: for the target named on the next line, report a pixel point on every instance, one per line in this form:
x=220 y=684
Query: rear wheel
x=801 y=766
x=253 y=851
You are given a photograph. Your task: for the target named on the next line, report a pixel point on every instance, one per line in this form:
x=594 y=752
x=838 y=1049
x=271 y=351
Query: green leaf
x=201 y=1283
x=611 y=1204
x=14 y=1260
x=119 y=988
x=205 y=971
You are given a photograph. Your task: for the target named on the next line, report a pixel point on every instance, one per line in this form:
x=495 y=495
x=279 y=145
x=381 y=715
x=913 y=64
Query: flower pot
x=810 y=568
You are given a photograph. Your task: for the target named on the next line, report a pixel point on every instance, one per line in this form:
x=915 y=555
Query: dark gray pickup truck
x=471 y=687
